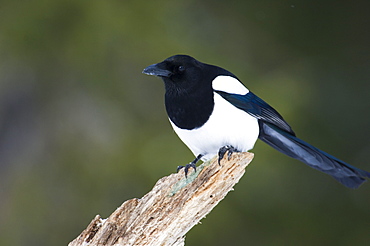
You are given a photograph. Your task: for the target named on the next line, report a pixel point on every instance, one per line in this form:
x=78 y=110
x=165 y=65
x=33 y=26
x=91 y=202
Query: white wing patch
x=229 y=84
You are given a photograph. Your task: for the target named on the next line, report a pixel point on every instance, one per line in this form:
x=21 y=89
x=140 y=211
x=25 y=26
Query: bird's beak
x=157 y=70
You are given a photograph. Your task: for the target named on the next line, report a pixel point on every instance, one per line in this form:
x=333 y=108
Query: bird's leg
x=222 y=151
x=191 y=164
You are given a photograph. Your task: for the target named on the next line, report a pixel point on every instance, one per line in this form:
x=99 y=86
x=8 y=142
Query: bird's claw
x=190 y=165
x=187 y=167
x=222 y=151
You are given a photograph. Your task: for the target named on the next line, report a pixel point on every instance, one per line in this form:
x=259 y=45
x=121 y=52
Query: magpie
x=213 y=113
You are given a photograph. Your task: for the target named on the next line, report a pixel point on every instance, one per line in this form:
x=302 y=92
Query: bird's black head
x=181 y=72
x=189 y=93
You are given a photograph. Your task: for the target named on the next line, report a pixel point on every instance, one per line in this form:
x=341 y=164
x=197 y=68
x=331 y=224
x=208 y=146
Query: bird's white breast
x=227 y=125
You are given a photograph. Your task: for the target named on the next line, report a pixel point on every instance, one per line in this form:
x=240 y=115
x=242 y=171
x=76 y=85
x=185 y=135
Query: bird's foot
x=222 y=151
x=190 y=165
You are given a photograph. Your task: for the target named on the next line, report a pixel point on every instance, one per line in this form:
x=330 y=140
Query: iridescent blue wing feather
x=276 y=132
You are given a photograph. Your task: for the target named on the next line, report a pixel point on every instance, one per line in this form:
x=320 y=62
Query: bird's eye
x=180 y=69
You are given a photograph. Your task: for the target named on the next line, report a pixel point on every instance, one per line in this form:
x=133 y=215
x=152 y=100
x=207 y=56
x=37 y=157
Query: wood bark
x=174 y=205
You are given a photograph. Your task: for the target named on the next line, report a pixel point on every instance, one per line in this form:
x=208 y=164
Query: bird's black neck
x=189 y=109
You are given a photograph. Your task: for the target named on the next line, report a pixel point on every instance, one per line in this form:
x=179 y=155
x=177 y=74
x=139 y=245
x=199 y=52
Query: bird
x=213 y=113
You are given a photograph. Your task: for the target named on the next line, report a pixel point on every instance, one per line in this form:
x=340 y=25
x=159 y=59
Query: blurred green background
x=82 y=129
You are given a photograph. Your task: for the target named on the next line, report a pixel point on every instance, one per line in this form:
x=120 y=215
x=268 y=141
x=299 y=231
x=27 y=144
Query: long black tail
x=292 y=146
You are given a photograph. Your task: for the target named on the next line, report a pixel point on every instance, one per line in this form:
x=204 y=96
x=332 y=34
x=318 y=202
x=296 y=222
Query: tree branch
x=174 y=205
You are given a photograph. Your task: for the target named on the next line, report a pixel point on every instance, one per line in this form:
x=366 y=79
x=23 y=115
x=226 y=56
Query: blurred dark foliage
x=82 y=130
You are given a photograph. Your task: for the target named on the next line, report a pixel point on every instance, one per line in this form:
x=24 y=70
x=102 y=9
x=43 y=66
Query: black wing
x=277 y=133
x=258 y=108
